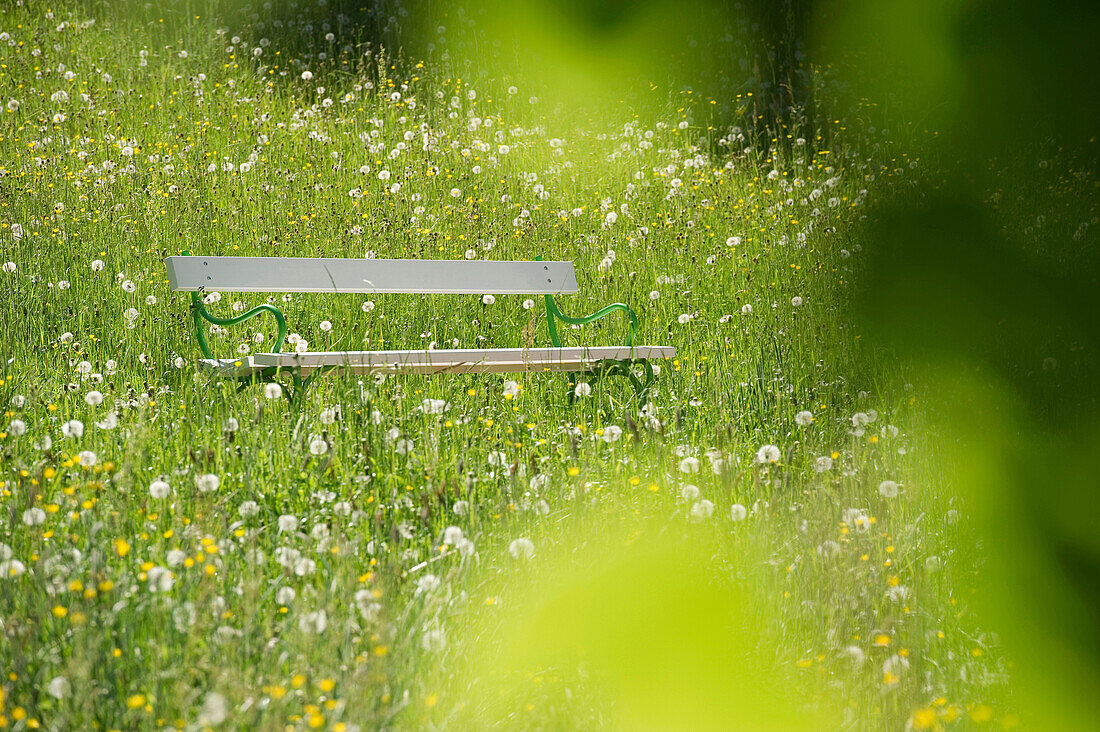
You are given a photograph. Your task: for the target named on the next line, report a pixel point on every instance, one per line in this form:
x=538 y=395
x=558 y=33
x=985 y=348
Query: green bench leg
x=608 y=367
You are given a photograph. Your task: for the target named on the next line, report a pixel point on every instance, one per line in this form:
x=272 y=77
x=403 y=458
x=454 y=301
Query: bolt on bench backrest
x=428 y=276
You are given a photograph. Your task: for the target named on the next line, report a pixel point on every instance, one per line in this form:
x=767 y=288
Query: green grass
x=124 y=180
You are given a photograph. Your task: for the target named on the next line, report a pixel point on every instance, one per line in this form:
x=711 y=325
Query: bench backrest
x=297 y=274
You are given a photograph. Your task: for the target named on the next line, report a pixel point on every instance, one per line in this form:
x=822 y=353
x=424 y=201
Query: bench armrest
x=553 y=312
x=199 y=312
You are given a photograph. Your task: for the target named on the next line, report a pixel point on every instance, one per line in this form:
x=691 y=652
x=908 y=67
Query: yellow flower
x=981 y=713
x=431 y=700
x=60 y=611
x=122 y=547
x=316 y=721
x=136 y=701
x=924 y=718
x=327 y=685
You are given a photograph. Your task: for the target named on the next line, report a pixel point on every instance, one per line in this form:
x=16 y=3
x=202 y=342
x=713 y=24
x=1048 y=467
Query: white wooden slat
x=500 y=360
x=427 y=276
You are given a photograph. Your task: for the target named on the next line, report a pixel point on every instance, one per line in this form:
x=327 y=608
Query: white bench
x=200 y=275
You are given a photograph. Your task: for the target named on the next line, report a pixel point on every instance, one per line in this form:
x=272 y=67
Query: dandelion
x=434 y=640
x=684 y=319
x=828 y=549
x=59 y=687
x=214 y=711
x=367 y=306
x=461 y=508
x=746 y=309
x=307 y=75
x=521 y=548
x=403 y=446
x=768 y=454
x=287 y=523
x=314 y=622
x=689 y=465
x=528 y=304
x=796 y=301
x=318 y=446
x=207 y=483
x=74 y=428
x=582 y=390
x=702 y=510
x=93 y=398
x=273 y=390
x=488 y=299
x=34 y=516
x=738 y=512
x=804 y=418
x=159 y=489
x=11 y=568
x=87 y=458
x=511 y=389
x=612 y=433
x=159 y=579
x=17 y=427
x=689 y=492
x=888 y=489
x=823 y=464
x=248 y=509
x=426 y=584
x=9 y=267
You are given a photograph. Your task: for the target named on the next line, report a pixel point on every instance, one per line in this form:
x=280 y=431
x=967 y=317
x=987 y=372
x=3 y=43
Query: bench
x=202 y=275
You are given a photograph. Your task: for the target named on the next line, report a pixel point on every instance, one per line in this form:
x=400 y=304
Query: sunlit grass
x=299 y=567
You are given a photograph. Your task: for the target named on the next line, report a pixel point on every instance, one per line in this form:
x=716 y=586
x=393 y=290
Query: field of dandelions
x=177 y=553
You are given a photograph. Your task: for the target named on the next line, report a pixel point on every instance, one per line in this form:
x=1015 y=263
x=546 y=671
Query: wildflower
x=612 y=433
x=9 y=267
x=73 y=428
x=59 y=687
x=528 y=304
x=87 y=458
x=855 y=655
x=746 y=309
x=796 y=301
x=207 y=483
x=488 y=299
x=11 y=568
x=318 y=446
x=583 y=389
x=888 y=489
x=689 y=492
x=521 y=548
x=403 y=446
x=461 y=508
x=804 y=418
x=511 y=389
x=738 y=512
x=314 y=622
x=684 y=318
x=288 y=523
x=434 y=640
x=325 y=326
x=93 y=398
x=248 y=508
x=702 y=510
x=273 y=390
x=427 y=583
x=214 y=710
x=34 y=516
x=17 y=427
x=768 y=454
x=828 y=549
x=159 y=579
x=689 y=465
x=307 y=75
x=823 y=464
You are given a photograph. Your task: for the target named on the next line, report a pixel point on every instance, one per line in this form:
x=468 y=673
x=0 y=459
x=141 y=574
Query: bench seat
x=438 y=361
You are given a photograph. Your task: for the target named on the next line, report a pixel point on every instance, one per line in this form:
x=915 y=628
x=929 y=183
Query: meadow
x=178 y=553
